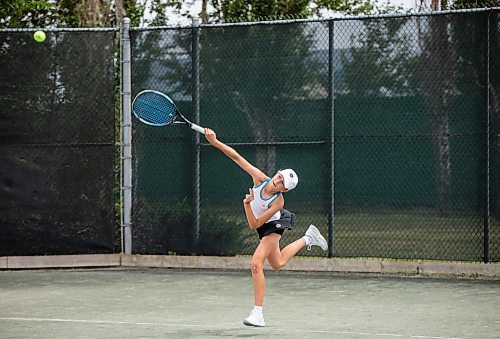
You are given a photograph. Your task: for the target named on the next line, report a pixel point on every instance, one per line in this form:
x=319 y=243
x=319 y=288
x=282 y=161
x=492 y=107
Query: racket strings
x=154 y=109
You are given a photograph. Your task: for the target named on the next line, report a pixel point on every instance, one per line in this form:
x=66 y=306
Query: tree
x=99 y=13
x=436 y=5
x=384 y=49
x=257 y=76
x=439 y=81
x=463 y=4
x=464 y=31
x=28 y=13
x=71 y=13
x=242 y=10
x=449 y=67
x=257 y=83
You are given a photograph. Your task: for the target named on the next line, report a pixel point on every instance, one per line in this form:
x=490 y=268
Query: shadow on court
x=161 y=303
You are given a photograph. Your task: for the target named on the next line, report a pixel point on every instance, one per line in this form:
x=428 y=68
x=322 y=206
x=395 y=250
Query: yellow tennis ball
x=39 y=36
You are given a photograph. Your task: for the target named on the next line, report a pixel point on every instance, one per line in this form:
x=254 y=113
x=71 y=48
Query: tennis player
x=265 y=213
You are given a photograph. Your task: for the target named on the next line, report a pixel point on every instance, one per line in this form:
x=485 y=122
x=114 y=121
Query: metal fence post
x=486 y=213
x=126 y=139
x=196 y=104
x=331 y=106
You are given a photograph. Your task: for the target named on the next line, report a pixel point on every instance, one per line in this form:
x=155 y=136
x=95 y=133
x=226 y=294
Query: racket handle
x=198 y=128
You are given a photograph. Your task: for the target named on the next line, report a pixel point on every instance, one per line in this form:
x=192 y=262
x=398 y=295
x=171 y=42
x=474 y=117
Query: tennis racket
x=157 y=109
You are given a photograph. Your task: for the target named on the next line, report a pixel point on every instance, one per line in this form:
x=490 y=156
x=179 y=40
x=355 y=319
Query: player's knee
x=256 y=266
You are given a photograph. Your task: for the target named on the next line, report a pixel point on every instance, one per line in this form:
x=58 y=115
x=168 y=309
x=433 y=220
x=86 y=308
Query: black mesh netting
x=57 y=143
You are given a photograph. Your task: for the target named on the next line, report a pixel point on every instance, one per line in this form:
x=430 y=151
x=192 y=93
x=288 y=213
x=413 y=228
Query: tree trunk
x=438 y=78
x=120 y=11
x=95 y=13
x=494 y=87
x=265 y=155
x=204 y=13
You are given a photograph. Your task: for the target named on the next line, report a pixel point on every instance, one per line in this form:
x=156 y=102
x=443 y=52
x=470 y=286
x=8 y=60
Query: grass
x=403 y=234
x=397 y=235
x=414 y=235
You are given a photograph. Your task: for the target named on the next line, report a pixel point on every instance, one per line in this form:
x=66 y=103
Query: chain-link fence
x=57 y=142
x=388 y=122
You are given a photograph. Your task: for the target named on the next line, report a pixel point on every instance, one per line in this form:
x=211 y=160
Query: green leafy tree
x=463 y=4
x=472 y=72
x=387 y=59
x=253 y=73
x=72 y=13
x=242 y=10
x=261 y=71
x=383 y=50
x=100 y=13
x=453 y=70
x=263 y=68
x=438 y=69
x=437 y=64
x=28 y=13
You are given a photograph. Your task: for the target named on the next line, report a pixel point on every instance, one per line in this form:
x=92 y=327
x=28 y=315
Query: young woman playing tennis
x=264 y=211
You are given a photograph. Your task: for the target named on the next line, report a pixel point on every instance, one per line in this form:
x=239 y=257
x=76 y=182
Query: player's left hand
x=248 y=197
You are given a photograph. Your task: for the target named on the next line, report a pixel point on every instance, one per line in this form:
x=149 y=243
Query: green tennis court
x=158 y=303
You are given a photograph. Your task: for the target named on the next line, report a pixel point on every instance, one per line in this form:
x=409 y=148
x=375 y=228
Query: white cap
x=290 y=178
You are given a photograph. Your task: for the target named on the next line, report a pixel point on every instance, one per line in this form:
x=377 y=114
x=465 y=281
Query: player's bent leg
x=268 y=244
x=277 y=259
x=272 y=244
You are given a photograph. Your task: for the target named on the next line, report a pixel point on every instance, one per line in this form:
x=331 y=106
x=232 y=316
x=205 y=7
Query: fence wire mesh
x=395 y=112
x=57 y=143
x=411 y=137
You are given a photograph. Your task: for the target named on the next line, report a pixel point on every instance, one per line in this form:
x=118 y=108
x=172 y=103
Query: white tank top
x=259 y=205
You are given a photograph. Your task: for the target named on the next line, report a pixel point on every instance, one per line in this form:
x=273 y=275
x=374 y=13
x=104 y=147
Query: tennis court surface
x=162 y=303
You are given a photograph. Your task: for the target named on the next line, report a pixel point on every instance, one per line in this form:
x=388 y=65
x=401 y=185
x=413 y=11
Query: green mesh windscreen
x=409 y=171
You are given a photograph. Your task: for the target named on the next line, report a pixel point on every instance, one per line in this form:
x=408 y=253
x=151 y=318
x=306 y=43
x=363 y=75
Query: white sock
x=307 y=239
x=257 y=309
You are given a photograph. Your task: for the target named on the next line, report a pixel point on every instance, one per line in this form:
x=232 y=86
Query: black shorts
x=269 y=228
x=286 y=220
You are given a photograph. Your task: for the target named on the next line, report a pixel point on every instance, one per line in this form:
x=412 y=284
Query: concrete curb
x=303 y=264
x=338 y=265
x=60 y=261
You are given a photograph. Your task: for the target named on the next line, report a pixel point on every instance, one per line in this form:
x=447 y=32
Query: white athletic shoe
x=255 y=319
x=316 y=238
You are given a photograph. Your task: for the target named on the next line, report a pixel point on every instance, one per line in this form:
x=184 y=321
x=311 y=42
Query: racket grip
x=198 y=128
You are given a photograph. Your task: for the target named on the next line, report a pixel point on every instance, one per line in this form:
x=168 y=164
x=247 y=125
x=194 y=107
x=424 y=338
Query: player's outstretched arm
x=257 y=175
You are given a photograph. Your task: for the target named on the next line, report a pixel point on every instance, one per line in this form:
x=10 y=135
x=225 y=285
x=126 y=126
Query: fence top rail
x=61 y=29
x=339 y=18
x=255 y=23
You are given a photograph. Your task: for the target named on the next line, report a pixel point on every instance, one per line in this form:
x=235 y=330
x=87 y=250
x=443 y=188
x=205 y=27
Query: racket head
x=154 y=108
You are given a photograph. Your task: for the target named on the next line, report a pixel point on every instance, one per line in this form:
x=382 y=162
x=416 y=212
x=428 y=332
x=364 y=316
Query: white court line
x=112 y=322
